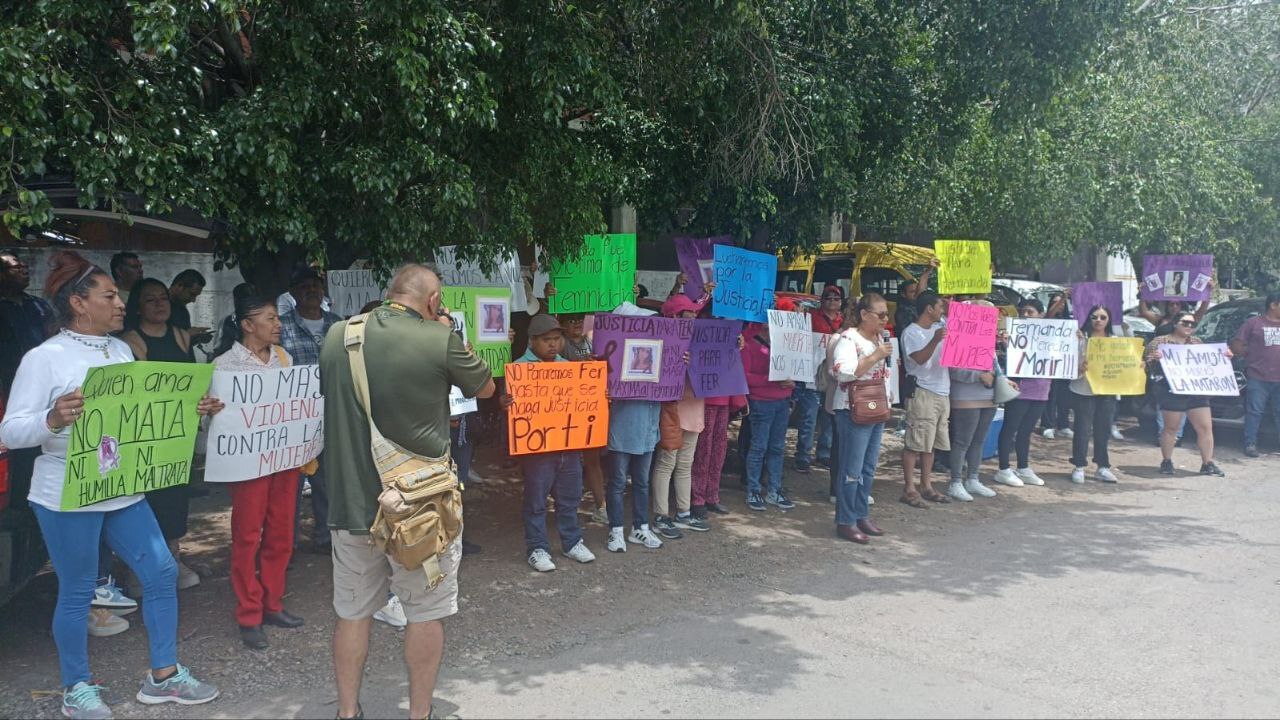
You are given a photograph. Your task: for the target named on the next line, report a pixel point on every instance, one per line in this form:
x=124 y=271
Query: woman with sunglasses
x=1021 y=416
x=1093 y=413
x=1174 y=407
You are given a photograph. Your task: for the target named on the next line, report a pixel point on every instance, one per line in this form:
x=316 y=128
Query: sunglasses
x=884 y=315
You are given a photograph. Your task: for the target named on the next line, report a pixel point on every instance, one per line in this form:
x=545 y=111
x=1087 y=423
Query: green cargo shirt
x=411 y=363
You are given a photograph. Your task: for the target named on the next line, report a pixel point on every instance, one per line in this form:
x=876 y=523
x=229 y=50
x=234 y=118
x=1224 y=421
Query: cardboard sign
x=556 y=406
x=460 y=404
x=1198 y=369
x=964 y=267
x=892 y=380
x=351 y=290
x=470 y=302
x=744 y=284
x=1087 y=295
x=1041 y=348
x=465 y=273
x=1114 y=366
x=697 y=262
x=645 y=355
x=1176 y=277
x=790 y=347
x=137 y=432
x=600 y=279
x=971 y=337
x=273 y=421
x=715 y=364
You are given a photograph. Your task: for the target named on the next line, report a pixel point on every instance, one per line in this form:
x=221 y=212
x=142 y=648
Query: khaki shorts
x=362 y=574
x=927 y=416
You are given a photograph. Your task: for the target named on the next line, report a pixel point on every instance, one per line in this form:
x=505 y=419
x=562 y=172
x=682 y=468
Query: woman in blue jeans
x=770 y=410
x=45 y=402
x=859 y=354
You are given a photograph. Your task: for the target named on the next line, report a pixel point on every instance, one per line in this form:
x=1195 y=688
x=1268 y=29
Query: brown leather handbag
x=868 y=402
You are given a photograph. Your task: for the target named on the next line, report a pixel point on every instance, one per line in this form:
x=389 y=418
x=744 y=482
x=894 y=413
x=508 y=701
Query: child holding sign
x=553 y=472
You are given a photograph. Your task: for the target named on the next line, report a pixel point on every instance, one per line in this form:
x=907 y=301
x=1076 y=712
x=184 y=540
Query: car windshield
x=791 y=281
x=1221 y=323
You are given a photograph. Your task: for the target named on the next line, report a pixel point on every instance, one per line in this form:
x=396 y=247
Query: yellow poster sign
x=964 y=267
x=1114 y=366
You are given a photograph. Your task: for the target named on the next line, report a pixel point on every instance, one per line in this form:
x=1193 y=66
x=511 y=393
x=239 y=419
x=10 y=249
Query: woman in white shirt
x=45 y=402
x=262 y=509
x=859 y=354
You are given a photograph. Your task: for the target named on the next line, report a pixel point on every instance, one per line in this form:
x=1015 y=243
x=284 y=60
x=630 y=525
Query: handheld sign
x=1114 y=366
x=1198 y=369
x=1043 y=349
x=744 y=284
x=600 y=279
x=556 y=406
x=696 y=256
x=964 y=267
x=790 y=347
x=1088 y=295
x=273 y=421
x=137 y=432
x=1176 y=277
x=715 y=364
x=460 y=404
x=477 y=304
x=351 y=290
x=463 y=273
x=971 y=337
x=645 y=355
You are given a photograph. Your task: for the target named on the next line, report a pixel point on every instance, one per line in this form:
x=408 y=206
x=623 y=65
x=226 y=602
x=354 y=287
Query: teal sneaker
x=83 y=700
x=180 y=687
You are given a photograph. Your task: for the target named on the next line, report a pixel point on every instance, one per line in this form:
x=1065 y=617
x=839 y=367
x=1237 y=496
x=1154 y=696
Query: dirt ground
x=508 y=612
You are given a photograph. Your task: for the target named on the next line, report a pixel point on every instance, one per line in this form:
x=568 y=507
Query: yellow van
x=867 y=266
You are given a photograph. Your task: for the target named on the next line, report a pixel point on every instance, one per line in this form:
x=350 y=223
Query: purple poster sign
x=695 y=255
x=715 y=364
x=1089 y=294
x=1176 y=277
x=645 y=355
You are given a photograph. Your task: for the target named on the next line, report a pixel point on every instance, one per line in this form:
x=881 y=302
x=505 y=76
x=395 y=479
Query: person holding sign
x=770 y=409
x=577 y=348
x=550 y=472
x=929 y=406
x=262 y=509
x=1022 y=414
x=1093 y=413
x=972 y=411
x=858 y=355
x=1258 y=340
x=46 y=401
x=1175 y=407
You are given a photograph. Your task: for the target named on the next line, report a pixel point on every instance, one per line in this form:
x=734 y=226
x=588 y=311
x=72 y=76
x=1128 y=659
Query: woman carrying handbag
x=860 y=402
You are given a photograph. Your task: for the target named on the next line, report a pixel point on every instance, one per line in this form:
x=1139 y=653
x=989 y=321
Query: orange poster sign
x=557 y=406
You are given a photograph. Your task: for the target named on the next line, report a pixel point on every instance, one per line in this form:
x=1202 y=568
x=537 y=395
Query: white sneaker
x=957 y=492
x=392 y=613
x=110 y=597
x=1105 y=475
x=580 y=553
x=1077 y=476
x=975 y=487
x=187 y=578
x=617 y=543
x=1047 y=434
x=1008 y=477
x=1029 y=477
x=1116 y=434
x=644 y=536
x=1066 y=433
x=540 y=560
x=102 y=623
x=871 y=500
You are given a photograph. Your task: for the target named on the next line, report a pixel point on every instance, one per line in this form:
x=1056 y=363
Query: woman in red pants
x=261 y=509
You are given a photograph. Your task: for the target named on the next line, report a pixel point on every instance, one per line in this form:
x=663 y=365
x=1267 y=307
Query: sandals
x=913 y=499
x=936 y=497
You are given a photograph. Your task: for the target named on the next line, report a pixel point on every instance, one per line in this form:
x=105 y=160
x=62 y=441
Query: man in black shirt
x=25 y=320
x=184 y=290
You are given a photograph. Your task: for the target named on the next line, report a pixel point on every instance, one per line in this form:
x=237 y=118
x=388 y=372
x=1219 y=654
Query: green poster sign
x=599 y=280
x=137 y=432
x=485 y=314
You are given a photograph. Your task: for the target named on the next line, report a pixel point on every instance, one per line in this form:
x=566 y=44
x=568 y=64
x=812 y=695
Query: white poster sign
x=1043 y=349
x=351 y=290
x=459 y=404
x=791 y=354
x=273 y=421
x=461 y=273
x=1198 y=369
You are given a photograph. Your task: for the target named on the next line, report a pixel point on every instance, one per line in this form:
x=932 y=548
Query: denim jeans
x=617 y=466
x=855 y=469
x=319 y=508
x=1020 y=418
x=134 y=535
x=1257 y=394
x=559 y=473
x=768 y=440
x=825 y=432
x=807 y=401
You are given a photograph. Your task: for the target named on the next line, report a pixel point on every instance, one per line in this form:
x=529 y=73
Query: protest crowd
x=359 y=397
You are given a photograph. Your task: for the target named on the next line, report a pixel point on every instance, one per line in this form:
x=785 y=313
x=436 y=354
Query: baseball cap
x=542 y=324
x=835 y=290
x=679 y=303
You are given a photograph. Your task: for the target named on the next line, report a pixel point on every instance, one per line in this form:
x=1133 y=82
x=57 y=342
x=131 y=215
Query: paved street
x=1154 y=597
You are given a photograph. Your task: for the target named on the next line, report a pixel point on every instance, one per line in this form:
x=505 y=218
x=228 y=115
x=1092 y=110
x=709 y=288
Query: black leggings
x=1093 y=415
x=1020 y=418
